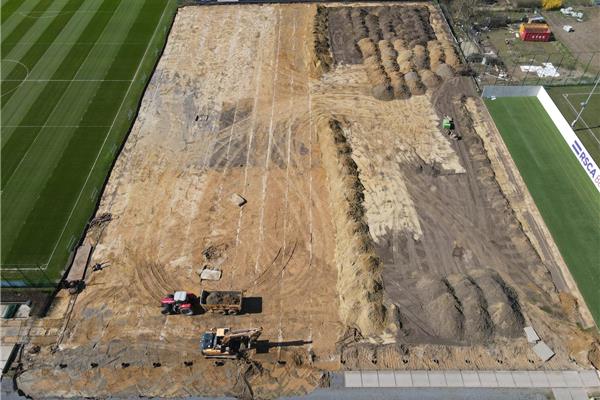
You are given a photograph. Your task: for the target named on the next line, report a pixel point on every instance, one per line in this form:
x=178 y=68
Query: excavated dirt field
x=369 y=238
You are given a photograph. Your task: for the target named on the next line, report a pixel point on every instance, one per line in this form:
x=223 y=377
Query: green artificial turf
x=566 y=198
x=73 y=73
x=568 y=99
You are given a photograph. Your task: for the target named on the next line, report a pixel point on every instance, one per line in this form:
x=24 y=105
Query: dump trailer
x=180 y=302
x=222 y=302
x=75 y=280
x=228 y=344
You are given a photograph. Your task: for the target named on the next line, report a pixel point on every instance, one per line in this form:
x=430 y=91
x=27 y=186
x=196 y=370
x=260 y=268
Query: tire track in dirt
x=186 y=93
x=152 y=282
x=211 y=137
x=309 y=339
x=227 y=160
x=269 y=145
x=287 y=188
x=248 y=152
x=150 y=277
x=214 y=133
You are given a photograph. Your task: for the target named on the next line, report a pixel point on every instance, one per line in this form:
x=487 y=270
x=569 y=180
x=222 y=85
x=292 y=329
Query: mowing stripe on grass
x=38 y=58
x=48 y=147
x=33 y=34
x=22 y=28
x=55 y=58
x=56 y=262
x=16 y=9
x=566 y=198
x=46 y=101
x=85 y=153
x=30 y=55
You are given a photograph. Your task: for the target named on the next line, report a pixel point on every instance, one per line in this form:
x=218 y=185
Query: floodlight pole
x=585 y=104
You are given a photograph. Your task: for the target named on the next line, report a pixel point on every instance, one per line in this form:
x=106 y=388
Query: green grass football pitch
x=568 y=99
x=73 y=72
x=566 y=198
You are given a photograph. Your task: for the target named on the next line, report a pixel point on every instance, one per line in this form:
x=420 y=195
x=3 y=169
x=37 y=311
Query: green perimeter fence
x=49 y=275
x=569 y=68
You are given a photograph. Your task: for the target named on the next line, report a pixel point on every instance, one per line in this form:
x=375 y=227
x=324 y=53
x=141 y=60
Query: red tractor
x=180 y=302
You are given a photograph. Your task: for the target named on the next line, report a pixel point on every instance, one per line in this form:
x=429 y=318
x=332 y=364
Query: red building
x=535 y=32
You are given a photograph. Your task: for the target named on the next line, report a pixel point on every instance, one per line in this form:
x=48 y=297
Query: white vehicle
x=568 y=28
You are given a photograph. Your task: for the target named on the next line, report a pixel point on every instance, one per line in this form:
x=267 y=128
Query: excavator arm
x=251 y=334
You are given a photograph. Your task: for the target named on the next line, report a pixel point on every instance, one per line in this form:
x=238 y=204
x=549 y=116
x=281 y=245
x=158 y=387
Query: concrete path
x=588 y=379
x=565 y=385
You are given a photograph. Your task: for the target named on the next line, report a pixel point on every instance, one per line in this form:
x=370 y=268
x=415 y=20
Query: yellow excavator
x=227 y=343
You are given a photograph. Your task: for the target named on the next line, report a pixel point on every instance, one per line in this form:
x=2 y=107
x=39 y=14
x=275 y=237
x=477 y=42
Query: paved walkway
x=588 y=379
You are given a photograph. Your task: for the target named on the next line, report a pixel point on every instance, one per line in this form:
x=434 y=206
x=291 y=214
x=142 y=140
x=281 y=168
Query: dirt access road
x=369 y=238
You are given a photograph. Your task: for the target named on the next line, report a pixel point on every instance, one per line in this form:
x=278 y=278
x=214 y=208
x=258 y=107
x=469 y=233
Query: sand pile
x=450 y=55
x=420 y=57
x=367 y=47
x=413 y=81
x=403 y=42
x=322 y=60
x=435 y=52
x=470 y=308
x=429 y=79
x=360 y=285
x=372 y=24
x=401 y=91
x=358 y=23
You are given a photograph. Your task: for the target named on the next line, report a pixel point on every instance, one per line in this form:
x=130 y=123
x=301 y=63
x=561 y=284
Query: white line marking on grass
x=16 y=80
x=37 y=267
x=56 y=13
x=137 y=71
x=45 y=122
x=566 y=97
x=580 y=94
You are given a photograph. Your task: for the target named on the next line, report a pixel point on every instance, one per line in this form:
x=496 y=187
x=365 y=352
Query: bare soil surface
x=227 y=111
x=369 y=238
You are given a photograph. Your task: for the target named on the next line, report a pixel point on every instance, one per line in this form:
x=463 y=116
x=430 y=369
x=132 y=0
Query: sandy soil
x=227 y=112
x=369 y=239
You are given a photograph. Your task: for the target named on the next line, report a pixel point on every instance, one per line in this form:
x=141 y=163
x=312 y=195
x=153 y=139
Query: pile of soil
x=471 y=308
x=222 y=298
x=322 y=52
x=396 y=44
x=360 y=282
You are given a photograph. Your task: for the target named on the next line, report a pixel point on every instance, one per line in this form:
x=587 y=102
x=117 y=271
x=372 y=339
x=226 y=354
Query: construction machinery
x=180 y=302
x=448 y=126
x=222 y=302
x=227 y=343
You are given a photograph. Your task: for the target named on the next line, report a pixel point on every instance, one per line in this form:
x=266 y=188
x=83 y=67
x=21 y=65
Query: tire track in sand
x=287 y=188
x=265 y=179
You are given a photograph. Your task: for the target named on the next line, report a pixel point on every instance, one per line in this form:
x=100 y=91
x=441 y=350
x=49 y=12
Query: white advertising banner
x=578 y=149
x=583 y=156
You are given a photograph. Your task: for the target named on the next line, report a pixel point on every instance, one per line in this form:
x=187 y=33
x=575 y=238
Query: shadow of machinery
x=263 y=346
